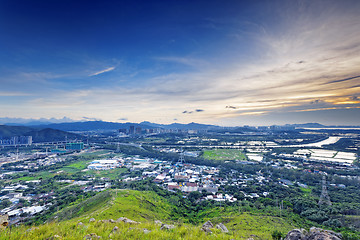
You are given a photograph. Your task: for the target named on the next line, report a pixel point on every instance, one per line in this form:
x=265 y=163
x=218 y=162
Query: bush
x=277 y=235
x=334 y=223
x=350 y=236
x=315 y=215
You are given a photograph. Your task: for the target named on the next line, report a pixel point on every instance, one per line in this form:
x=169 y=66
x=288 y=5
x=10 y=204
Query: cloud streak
x=109 y=69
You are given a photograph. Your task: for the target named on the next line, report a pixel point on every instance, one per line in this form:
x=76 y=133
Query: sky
x=229 y=63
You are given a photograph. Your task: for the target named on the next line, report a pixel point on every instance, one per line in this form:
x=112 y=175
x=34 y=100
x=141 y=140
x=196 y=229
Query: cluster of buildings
x=17 y=209
x=132 y=130
x=187 y=177
x=181 y=176
x=35 y=161
x=16 y=141
x=137 y=130
x=105 y=164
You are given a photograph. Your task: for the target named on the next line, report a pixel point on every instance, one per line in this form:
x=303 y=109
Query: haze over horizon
x=226 y=63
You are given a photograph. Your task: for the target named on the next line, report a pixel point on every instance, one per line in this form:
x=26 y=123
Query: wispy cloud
x=102 y=71
x=13 y=94
x=306 y=61
x=193 y=62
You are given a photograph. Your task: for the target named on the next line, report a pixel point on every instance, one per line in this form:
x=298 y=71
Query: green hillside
x=11 y=131
x=48 y=134
x=145 y=207
x=136 y=205
x=38 y=135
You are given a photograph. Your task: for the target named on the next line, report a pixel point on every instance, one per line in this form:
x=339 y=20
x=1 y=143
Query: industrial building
x=75 y=146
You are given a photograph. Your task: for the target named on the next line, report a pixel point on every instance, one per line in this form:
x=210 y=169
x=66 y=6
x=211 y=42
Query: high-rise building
x=132 y=130
x=17 y=140
x=138 y=130
x=25 y=140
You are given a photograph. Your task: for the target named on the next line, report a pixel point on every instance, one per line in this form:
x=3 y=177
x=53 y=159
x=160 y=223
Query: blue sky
x=219 y=62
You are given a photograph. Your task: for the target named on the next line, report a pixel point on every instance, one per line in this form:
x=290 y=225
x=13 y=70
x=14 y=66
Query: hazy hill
x=48 y=134
x=309 y=125
x=38 y=135
x=101 y=125
x=91 y=126
x=11 y=131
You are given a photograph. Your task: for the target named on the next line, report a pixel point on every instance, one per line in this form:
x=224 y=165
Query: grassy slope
x=138 y=206
x=70 y=230
x=144 y=207
x=244 y=224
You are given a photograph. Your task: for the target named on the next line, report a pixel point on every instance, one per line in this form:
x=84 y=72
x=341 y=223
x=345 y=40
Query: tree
x=193 y=196
x=5 y=203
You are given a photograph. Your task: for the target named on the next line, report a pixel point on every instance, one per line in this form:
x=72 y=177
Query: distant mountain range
x=109 y=126
x=59 y=131
x=91 y=126
x=38 y=135
x=308 y=125
x=32 y=122
x=101 y=125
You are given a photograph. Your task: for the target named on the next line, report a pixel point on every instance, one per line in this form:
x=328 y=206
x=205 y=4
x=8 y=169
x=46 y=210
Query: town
x=222 y=166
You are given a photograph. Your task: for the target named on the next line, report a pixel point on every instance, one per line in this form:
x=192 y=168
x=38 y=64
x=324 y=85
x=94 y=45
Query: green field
x=35 y=176
x=76 y=167
x=224 y=154
x=113 y=174
x=80 y=166
x=96 y=153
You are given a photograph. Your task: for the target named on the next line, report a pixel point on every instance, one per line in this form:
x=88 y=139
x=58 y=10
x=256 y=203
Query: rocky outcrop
x=313 y=234
x=206 y=227
x=321 y=234
x=80 y=224
x=222 y=227
x=91 y=236
x=254 y=237
x=166 y=227
x=126 y=220
x=4 y=220
x=55 y=237
x=296 y=234
x=158 y=222
x=92 y=220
